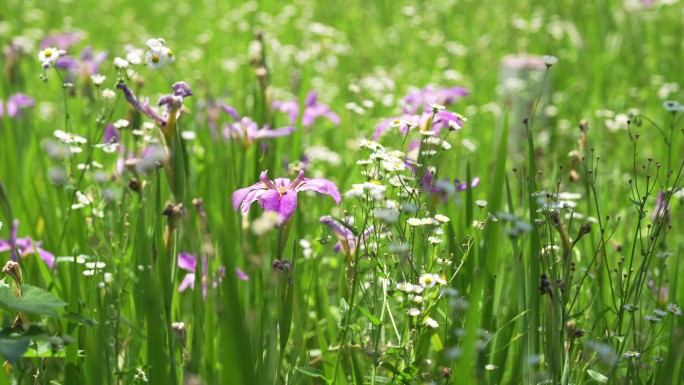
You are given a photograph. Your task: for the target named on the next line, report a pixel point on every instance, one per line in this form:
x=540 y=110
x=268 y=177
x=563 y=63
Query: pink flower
x=280 y=195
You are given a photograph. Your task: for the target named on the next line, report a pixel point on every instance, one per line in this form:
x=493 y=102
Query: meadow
x=314 y=192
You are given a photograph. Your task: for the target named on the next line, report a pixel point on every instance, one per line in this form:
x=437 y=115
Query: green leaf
x=311 y=372
x=12 y=349
x=375 y=320
x=34 y=300
x=598 y=377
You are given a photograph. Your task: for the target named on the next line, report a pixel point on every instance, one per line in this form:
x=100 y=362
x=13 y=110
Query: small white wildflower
x=414 y=222
x=413 y=312
x=406 y=287
x=431 y=323
x=446 y=145
x=189 y=135
x=95 y=265
x=50 y=55
x=428 y=280
x=168 y=55
x=470 y=146
x=417 y=289
x=154 y=59
x=631 y=354
x=417 y=298
x=659 y=313
x=120 y=63
x=437 y=107
x=121 y=123
x=434 y=240
x=155 y=43
x=442 y=218
x=88 y=273
x=481 y=203
x=134 y=57
x=393 y=165
x=674 y=309
x=652 y=318
x=429 y=222
x=97 y=79
x=108 y=94
x=490 y=367
x=549 y=60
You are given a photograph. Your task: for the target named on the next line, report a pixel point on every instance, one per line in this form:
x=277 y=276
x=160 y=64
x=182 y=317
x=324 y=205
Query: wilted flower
x=172 y=102
x=280 y=195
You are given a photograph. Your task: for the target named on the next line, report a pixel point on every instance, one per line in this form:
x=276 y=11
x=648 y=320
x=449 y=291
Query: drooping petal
x=240 y=196
x=231 y=111
x=111 y=134
x=322 y=186
x=188 y=281
x=46 y=256
x=187 y=261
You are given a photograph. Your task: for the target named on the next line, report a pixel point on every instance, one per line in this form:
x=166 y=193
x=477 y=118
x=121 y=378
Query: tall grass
x=560 y=266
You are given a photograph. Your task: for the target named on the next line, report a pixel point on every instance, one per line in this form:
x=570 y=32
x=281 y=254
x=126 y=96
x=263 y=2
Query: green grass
x=326 y=317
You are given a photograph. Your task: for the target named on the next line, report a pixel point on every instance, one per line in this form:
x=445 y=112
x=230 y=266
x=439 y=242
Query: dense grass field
x=391 y=192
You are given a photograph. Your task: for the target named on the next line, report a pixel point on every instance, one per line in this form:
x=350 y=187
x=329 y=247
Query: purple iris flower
x=419 y=101
x=26 y=246
x=442 y=119
x=89 y=63
x=346 y=240
x=280 y=195
x=312 y=110
x=188 y=262
x=247 y=131
x=16 y=103
x=111 y=134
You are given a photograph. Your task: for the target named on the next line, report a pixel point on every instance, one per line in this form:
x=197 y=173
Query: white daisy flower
x=431 y=323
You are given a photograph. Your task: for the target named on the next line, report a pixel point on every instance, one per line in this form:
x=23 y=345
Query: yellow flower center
x=155 y=59
x=428 y=280
x=47 y=53
x=282 y=190
x=169 y=53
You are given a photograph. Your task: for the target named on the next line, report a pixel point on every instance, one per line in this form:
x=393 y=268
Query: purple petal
x=243 y=196
x=187 y=261
x=241 y=274
x=266 y=133
x=285 y=205
x=111 y=134
x=181 y=89
x=231 y=111
x=46 y=256
x=188 y=281
x=291 y=108
x=310 y=99
x=322 y=186
x=142 y=107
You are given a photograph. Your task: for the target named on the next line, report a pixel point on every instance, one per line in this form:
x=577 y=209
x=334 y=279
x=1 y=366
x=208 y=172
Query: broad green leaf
x=34 y=300
x=12 y=349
